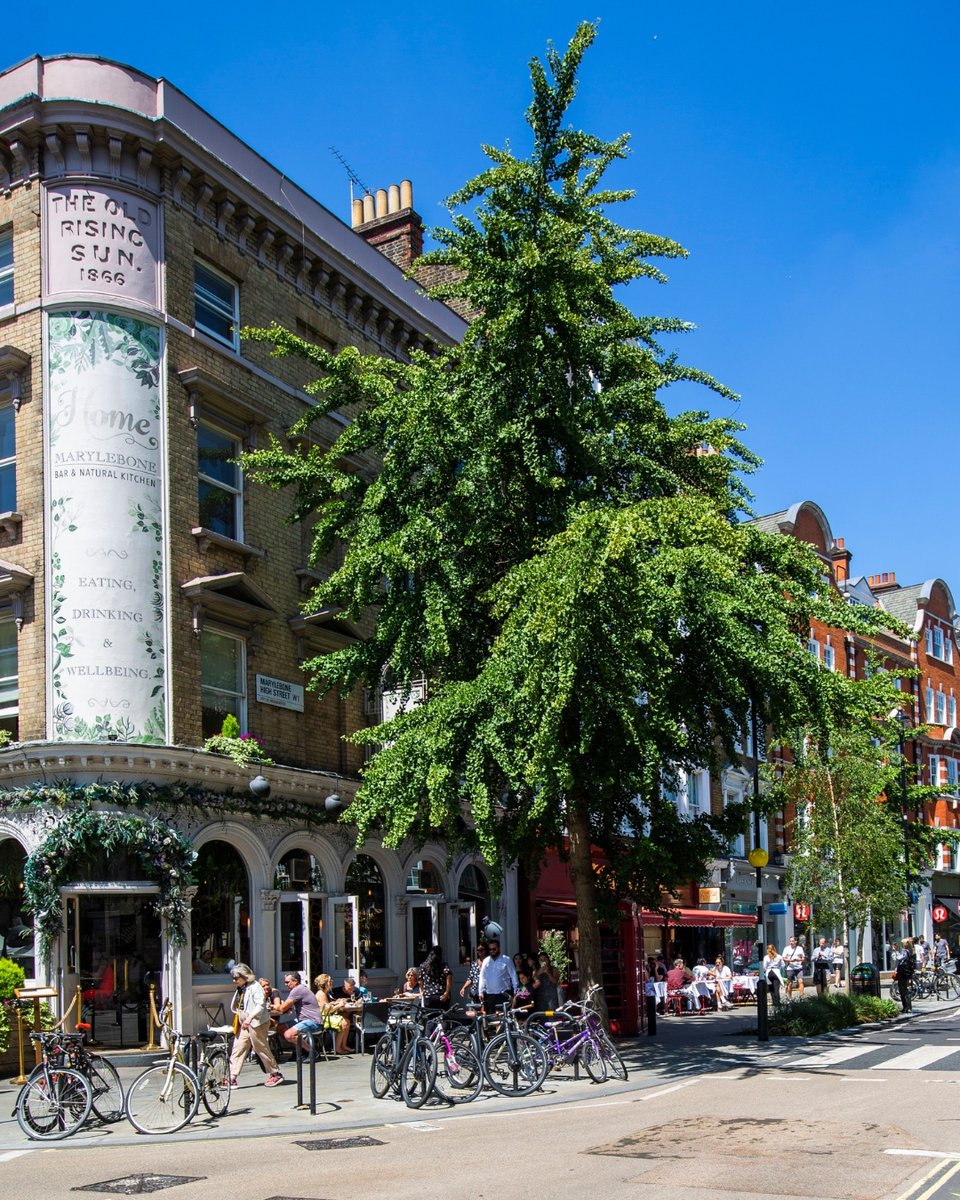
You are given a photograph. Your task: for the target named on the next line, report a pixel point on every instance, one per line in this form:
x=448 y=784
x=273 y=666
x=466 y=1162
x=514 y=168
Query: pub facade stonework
x=147 y=589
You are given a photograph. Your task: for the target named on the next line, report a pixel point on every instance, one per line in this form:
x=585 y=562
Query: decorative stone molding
x=201 y=198
x=55 y=153
x=144 y=162
x=269 y=899
x=402 y=904
x=246 y=225
x=13 y=367
x=225 y=210
x=82 y=137
x=115 y=150
x=181 y=177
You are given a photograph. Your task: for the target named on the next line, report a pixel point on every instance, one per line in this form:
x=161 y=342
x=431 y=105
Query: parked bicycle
x=390 y=1051
x=57 y=1099
x=514 y=1062
x=167 y=1095
x=588 y=1044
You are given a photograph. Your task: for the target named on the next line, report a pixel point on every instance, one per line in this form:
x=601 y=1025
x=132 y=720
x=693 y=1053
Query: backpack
x=905 y=967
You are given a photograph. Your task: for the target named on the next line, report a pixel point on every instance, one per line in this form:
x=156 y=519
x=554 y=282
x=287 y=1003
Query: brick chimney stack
x=885 y=582
x=388 y=222
x=840 y=557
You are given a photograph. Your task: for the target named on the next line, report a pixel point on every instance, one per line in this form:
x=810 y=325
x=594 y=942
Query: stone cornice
x=127 y=115
x=29 y=763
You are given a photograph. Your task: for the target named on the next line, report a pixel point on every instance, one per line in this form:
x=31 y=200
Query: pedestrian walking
x=249 y=1006
x=903 y=972
x=822 y=961
x=837 y=962
x=793 y=959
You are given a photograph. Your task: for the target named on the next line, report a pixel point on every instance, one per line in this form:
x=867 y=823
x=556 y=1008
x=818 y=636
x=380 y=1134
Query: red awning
x=704 y=918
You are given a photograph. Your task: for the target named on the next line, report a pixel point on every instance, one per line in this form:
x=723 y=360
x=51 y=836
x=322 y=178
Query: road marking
x=941 y=1174
x=830 y=1058
x=951 y=1156
x=16 y=1153
x=923 y=1056
x=666 y=1091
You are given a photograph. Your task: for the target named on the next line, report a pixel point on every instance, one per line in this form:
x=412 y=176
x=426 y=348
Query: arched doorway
x=16 y=926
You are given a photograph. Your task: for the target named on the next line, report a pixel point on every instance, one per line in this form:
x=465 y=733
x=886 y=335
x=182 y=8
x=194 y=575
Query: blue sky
x=808 y=158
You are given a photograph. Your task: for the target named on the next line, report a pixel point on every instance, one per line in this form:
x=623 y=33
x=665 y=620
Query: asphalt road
x=867 y=1115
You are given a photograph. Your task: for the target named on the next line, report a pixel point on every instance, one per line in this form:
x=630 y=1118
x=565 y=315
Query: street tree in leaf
x=853 y=793
x=563 y=561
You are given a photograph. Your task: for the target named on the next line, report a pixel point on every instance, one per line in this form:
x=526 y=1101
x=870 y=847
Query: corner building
x=147 y=588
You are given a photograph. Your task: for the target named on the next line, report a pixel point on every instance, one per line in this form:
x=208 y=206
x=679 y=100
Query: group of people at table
x=258 y=1007
x=705 y=987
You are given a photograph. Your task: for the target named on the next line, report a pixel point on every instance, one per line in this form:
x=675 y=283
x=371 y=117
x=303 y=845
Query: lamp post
x=905 y=817
x=758 y=859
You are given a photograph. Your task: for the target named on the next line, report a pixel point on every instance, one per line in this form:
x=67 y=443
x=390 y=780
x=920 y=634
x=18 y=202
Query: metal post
x=763 y=1034
x=21 y=1078
x=651 y=1015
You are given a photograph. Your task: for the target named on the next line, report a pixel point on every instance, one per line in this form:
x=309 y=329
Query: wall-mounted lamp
x=333 y=804
x=260 y=788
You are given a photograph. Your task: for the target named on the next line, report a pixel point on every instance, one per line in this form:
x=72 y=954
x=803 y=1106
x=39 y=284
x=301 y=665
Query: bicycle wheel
x=163 y=1099
x=592 y=1061
x=611 y=1056
x=54 y=1105
x=418 y=1073
x=459 y=1074
x=215 y=1083
x=514 y=1064
x=106 y=1087
x=381 y=1067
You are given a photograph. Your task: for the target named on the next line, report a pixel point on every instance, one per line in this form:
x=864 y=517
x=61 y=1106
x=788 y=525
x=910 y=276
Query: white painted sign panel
x=105 y=465
x=102 y=240
x=280 y=693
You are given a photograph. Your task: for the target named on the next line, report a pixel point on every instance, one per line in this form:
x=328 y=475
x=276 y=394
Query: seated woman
x=723 y=980
x=333 y=1018
x=410 y=988
x=523 y=996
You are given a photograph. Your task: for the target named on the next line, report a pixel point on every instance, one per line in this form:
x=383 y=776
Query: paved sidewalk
x=344 y=1101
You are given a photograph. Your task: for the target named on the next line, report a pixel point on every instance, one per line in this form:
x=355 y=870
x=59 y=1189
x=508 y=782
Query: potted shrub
x=243 y=748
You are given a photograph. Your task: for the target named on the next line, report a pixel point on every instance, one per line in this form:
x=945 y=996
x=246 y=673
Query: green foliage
x=554 y=945
x=230 y=727
x=819 y=1014
x=11 y=977
x=164 y=853
x=542 y=541
x=846 y=784
x=6 y=1013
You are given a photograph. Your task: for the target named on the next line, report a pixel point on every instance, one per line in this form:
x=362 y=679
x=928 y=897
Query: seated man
x=678 y=978
x=303 y=1004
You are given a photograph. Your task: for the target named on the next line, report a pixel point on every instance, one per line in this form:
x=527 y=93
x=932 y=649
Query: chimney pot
x=840 y=543
x=356 y=213
x=381 y=202
x=393 y=198
x=406 y=193
x=369 y=212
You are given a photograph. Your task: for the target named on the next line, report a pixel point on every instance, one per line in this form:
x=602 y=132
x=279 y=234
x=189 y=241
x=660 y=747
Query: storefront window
x=423 y=880
x=299 y=871
x=16 y=926
x=365 y=881
x=221 y=910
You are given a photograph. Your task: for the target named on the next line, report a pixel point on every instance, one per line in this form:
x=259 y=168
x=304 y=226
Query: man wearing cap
x=498 y=978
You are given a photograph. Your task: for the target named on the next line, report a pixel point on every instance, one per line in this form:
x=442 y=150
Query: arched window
x=365 y=881
x=16 y=926
x=299 y=871
x=221 y=910
x=423 y=879
x=474 y=886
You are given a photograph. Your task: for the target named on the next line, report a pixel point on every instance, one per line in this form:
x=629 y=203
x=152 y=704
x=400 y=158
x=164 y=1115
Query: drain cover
x=137 y=1185
x=347 y=1143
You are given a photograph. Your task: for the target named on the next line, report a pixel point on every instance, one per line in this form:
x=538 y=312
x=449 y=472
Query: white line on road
x=831 y=1058
x=15 y=1154
x=923 y=1056
x=952 y=1155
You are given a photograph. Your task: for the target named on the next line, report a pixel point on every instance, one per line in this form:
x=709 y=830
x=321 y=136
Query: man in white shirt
x=498 y=978
x=793 y=957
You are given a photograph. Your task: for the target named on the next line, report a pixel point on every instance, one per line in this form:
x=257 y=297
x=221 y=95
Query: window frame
x=11 y=711
x=211 y=304
x=7 y=275
x=206 y=689
x=211 y=481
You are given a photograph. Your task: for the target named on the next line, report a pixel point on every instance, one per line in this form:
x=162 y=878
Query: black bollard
x=312 y=1062
x=651 y=1015
x=763 y=1032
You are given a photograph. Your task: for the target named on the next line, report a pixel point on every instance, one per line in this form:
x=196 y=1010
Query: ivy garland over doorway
x=80 y=833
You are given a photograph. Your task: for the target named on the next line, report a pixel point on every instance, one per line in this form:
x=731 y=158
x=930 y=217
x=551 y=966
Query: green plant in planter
x=554 y=945
x=243 y=748
x=11 y=977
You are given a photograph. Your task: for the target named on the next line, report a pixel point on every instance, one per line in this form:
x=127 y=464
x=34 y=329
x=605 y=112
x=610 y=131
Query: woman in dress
x=333 y=1018
x=435 y=979
x=722 y=976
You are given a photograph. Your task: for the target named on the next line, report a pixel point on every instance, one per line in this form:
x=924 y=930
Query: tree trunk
x=585 y=893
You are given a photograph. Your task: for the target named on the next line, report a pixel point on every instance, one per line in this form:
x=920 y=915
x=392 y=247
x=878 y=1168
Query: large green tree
x=561 y=559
